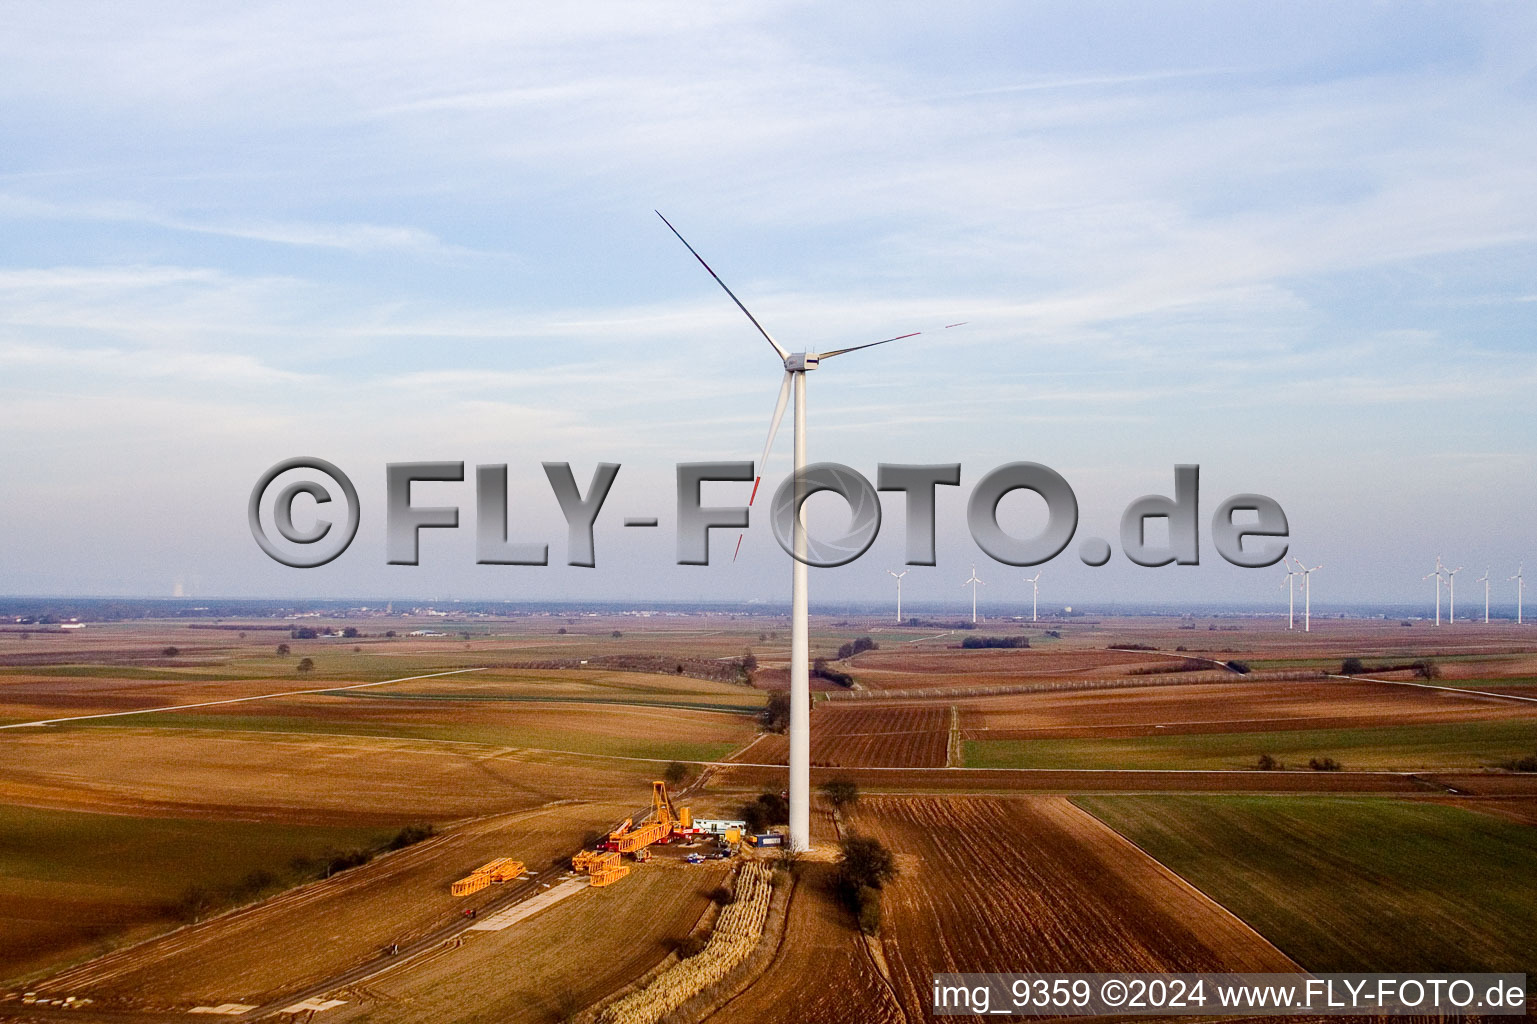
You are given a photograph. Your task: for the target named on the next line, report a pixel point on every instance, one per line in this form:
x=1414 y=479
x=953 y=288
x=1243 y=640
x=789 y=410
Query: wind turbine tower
x=1035 y=592
x=973 y=583
x=898 y=576
x=1307 y=594
x=1520 y=589
x=796 y=366
x=1484 y=579
x=1437 y=574
x=1451 y=595
x=1290 y=583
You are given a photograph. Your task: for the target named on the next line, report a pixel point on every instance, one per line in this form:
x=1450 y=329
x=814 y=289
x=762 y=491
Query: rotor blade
x=856 y=348
x=779 y=413
x=783 y=352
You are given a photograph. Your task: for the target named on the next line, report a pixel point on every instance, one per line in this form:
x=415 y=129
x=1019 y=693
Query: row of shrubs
x=1423 y=669
x=1266 y=763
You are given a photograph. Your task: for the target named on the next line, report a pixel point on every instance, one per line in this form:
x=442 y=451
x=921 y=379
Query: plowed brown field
x=1231 y=707
x=1035 y=884
x=866 y=735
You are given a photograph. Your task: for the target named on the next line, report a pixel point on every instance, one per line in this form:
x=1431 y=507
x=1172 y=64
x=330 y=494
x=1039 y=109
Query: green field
x=1439 y=746
x=69 y=878
x=1352 y=884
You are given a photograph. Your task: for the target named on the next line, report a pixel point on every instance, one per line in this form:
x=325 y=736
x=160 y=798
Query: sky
x=1292 y=244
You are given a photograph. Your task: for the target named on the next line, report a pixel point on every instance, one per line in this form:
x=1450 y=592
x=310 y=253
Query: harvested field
x=753 y=779
x=1035 y=884
x=894 y=667
x=551 y=965
x=1234 y=707
x=328 y=780
x=1434 y=746
x=1352 y=885
x=327 y=926
x=663 y=733
x=862 y=735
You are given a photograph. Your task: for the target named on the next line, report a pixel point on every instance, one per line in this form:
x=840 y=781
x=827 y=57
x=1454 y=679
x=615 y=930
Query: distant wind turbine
x=1290 y=583
x=1035 y=592
x=973 y=583
x=1520 y=589
x=898 y=576
x=1437 y=574
x=796 y=366
x=1451 y=595
x=1484 y=579
x=1307 y=594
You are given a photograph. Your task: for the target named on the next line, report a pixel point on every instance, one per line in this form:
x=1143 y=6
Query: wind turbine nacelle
x=800 y=362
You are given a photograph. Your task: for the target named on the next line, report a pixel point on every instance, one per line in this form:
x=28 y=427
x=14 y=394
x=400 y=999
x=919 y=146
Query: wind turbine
x=898 y=576
x=1484 y=579
x=1437 y=574
x=796 y=366
x=1307 y=594
x=974 y=583
x=1451 y=595
x=1520 y=589
x=1290 y=583
x=1035 y=592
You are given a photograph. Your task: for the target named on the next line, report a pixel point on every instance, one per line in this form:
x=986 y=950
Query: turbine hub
x=800 y=362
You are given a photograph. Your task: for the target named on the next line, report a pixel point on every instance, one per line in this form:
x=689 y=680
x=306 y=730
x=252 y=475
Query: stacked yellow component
x=469 y=884
x=503 y=869
x=602 y=866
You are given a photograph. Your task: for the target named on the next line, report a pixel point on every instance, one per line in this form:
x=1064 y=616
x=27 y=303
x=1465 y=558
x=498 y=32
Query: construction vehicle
x=662 y=825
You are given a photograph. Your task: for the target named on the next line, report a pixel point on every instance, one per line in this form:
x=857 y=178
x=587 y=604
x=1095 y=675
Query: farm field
x=327 y=926
x=1435 y=747
x=1234 y=706
x=70 y=880
x=550 y=729
x=620 y=731
x=292 y=777
x=1064 y=893
x=1352 y=884
x=623 y=931
x=862 y=734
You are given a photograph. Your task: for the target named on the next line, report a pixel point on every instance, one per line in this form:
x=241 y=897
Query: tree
x=1266 y=763
x=749 y=662
x=616 y=634
x=389 y=633
x=864 y=865
x=301 y=633
x=306 y=664
x=170 y=652
x=1352 y=667
x=776 y=713
x=1427 y=669
x=676 y=772
x=283 y=650
x=840 y=792
x=351 y=632
x=863 y=861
